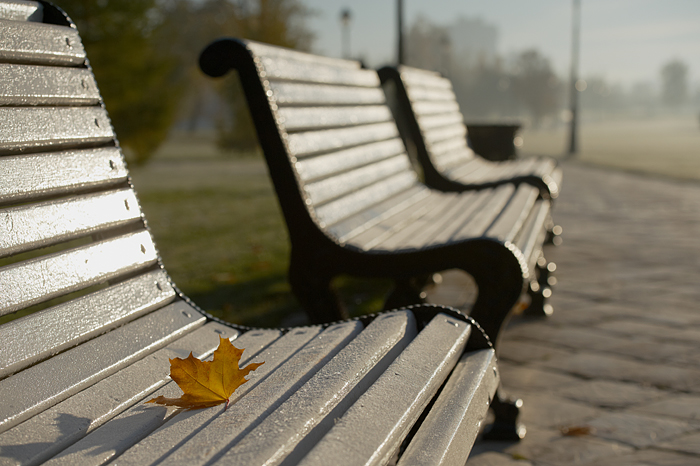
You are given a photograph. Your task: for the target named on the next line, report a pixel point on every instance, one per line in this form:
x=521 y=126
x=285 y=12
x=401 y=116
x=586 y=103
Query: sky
x=622 y=41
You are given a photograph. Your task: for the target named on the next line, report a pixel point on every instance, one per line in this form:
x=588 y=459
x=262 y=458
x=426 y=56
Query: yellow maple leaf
x=207 y=383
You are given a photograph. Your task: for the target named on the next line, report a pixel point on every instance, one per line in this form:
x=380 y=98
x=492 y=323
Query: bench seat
x=430 y=118
x=89 y=318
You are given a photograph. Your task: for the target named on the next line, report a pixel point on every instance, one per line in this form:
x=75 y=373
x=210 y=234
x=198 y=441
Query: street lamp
x=573 y=101
x=399 y=27
x=345 y=18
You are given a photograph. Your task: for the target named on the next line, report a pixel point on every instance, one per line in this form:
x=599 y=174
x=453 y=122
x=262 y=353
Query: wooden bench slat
x=456 y=416
x=372 y=429
x=71 y=171
x=428 y=92
x=20 y=10
x=246 y=412
x=286 y=93
x=485 y=217
x=447 y=147
x=296 y=70
x=65 y=325
x=311 y=142
x=33 y=281
x=367 y=218
x=309 y=118
x=456 y=159
x=132 y=427
x=358 y=201
x=512 y=218
x=322 y=191
x=38 y=225
x=462 y=218
x=445 y=133
x=310 y=169
x=421 y=77
x=23 y=128
x=434 y=108
x=439 y=120
x=42 y=386
x=270 y=54
x=531 y=237
x=52 y=430
x=44 y=44
x=22 y=85
x=290 y=431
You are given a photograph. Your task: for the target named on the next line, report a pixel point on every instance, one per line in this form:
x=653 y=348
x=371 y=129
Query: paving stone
x=648 y=457
x=608 y=394
x=528 y=351
x=517 y=379
x=681 y=406
x=661 y=332
x=648 y=349
x=605 y=366
x=495 y=459
x=565 y=451
x=636 y=429
x=688 y=443
x=552 y=411
x=572 y=337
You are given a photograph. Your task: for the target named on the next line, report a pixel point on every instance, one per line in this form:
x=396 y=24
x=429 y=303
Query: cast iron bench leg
x=407 y=292
x=315 y=293
x=505 y=425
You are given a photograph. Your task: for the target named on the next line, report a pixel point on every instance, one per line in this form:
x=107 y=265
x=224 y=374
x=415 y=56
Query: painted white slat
x=37 y=175
x=49 y=432
x=24 y=128
x=448 y=432
x=30 y=42
x=421 y=77
x=291 y=68
x=38 y=225
x=371 y=431
x=511 y=220
x=334 y=139
x=46 y=85
x=21 y=10
x=267 y=54
x=530 y=240
x=289 y=432
x=61 y=327
x=250 y=410
x=33 y=281
x=42 y=386
x=300 y=118
x=144 y=426
x=286 y=93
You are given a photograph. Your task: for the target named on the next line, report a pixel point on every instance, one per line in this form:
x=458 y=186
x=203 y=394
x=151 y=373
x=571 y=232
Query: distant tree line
x=144 y=56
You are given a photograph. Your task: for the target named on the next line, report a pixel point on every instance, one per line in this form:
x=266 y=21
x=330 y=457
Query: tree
x=140 y=84
x=535 y=85
x=674 y=77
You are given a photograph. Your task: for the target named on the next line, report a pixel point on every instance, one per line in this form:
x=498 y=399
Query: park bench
x=429 y=117
x=352 y=202
x=89 y=317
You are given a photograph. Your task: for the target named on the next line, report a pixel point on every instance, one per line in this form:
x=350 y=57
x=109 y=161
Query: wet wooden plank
x=348 y=182
x=39 y=43
x=22 y=85
x=434 y=108
x=290 y=431
x=42 y=386
x=311 y=142
x=63 y=326
x=448 y=432
x=140 y=425
x=514 y=215
x=420 y=77
x=533 y=232
x=51 y=431
x=429 y=92
x=371 y=431
x=293 y=93
x=445 y=133
x=442 y=119
x=33 y=281
x=313 y=168
x=20 y=10
x=40 y=175
x=38 y=225
x=309 y=118
x=349 y=205
x=25 y=128
x=479 y=223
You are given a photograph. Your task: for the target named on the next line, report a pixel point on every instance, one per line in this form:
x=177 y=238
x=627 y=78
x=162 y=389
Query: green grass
x=223 y=240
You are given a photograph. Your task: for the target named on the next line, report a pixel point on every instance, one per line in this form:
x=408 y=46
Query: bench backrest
x=76 y=258
x=331 y=143
x=428 y=107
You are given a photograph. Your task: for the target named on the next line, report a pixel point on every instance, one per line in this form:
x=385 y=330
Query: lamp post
x=345 y=18
x=573 y=101
x=399 y=27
